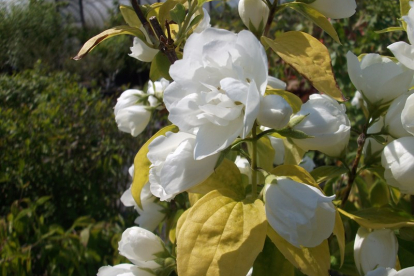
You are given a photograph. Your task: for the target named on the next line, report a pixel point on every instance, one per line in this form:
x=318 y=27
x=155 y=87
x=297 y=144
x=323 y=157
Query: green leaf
x=226 y=179
x=339 y=232
x=406 y=253
x=316 y=17
x=289 y=132
x=160 y=67
x=309 y=57
x=265 y=153
x=94 y=41
x=164 y=11
x=294 y=101
x=377 y=218
x=220 y=236
x=324 y=173
x=178 y=13
x=313 y=261
x=390 y=29
x=271 y=262
x=142 y=164
x=130 y=16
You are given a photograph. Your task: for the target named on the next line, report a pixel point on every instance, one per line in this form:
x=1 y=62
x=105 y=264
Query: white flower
x=217 y=88
x=307 y=163
x=255 y=12
x=299 y=213
x=130 y=115
x=156 y=91
x=173 y=168
x=375 y=146
x=378 y=78
x=141 y=247
x=335 y=9
x=403 y=51
x=378 y=248
x=398 y=162
x=151 y=213
x=275 y=83
x=204 y=23
x=122 y=270
x=274 y=112
x=327 y=122
x=407 y=115
x=382 y=271
x=141 y=51
x=393 y=118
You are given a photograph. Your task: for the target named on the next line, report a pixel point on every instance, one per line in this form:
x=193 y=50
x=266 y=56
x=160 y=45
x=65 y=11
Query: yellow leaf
x=226 y=179
x=309 y=57
x=120 y=30
x=378 y=218
x=293 y=153
x=142 y=164
x=220 y=236
x=313 y=261
x=294 y=101
x=317 y=18
x=339 y=232
x=296 y=173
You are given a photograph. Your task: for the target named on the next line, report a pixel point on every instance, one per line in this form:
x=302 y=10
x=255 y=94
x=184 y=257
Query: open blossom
x=398 y=162
x=403 y=51
x=327 y=122
x=217 y=88
x=378 y=78
x=299 y=213
x=173 y=168
x=130 y=114
x=378 y=248
x=335 y=9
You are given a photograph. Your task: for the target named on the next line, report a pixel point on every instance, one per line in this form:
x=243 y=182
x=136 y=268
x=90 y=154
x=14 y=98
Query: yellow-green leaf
x=293 y=153
x=164 y=11
x=313 y=261
x=317 y=18
x=294 y=101
x=142 y=164
x=339 y=232
x=220 y=236
x=173 y=226
x=265 y=153
x=379 y=195
x=324 y=173
x=296 y=173
x=377 y=218
x=120 y=30
x=309 y=57
x=404 y=8
x=226 y=179
x=130 y=16
x=390 y=29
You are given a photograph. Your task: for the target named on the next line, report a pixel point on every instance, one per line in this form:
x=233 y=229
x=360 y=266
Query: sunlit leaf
x=130 y=16
x=309 y=57
x=293 y=154
x=220 y=236
x=317 y=18
x=94 y=41
x=142 y=165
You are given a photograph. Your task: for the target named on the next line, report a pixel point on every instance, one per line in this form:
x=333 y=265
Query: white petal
x=335 y=9
x=404 y=53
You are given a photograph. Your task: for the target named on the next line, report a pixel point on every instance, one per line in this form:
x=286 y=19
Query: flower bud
x=131 y=115
x=335 y=9
x=393 y=118
x=327 y=122
x=378 y=78
x=398 y=162
x=274 y=112
x=299 y=213
x=407 y=115
x=254 y=14
x=378 y=248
